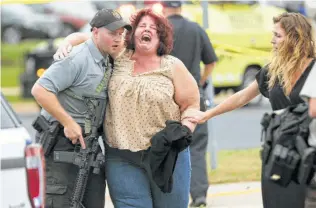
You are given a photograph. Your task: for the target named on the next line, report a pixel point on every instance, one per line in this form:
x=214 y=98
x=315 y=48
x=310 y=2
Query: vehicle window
x=6 y=17
x=40 y=8
x=126 y=2
x=17 y=9
x=114 y=4
x=81 y=9
x=108 y=4
x=219 y=2
x=6 y=120
x=9 y=118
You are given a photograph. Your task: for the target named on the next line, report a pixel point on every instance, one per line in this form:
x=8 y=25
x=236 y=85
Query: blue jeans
x=130 y=183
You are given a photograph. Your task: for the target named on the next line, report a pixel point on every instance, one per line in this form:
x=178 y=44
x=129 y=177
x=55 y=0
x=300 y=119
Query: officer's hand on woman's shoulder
x=63 y=51
x=73 y=131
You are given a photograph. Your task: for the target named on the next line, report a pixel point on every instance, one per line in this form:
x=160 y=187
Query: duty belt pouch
x=265 y=152
x=307 y=154
x=306 y=169
x=268 y=125
x=48 y=133
x=281 y=165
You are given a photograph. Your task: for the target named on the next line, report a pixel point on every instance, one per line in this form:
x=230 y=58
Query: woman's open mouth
x=146 y=38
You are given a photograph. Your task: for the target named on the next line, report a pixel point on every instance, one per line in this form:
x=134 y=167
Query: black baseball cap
x=172 y=4
x=110 y=19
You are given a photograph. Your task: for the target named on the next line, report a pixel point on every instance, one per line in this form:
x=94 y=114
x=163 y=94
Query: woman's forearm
x=71 y=40
x=77 y=38
x=194 y=105
x=235 y=101
x=189 y=124
x=187 y=94
x=231 y=103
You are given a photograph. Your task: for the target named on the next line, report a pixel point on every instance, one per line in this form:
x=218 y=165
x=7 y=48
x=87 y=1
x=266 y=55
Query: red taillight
x=35 y=169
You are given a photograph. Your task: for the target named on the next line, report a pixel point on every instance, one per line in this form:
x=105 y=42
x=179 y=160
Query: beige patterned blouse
x=139 y=104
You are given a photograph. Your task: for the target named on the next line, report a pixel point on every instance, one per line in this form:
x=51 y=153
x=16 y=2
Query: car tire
x=217 y=90
x=249 y=77
x=11 y=35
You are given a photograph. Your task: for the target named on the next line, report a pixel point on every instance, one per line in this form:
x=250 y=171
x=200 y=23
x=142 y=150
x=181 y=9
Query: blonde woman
x=281 y=82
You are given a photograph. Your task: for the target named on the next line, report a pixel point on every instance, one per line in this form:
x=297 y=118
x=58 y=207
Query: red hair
x=164 y=31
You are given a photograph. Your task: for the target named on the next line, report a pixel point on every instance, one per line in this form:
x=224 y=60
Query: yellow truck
x=240 y=32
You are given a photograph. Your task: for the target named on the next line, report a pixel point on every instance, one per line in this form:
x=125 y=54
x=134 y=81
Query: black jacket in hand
x=165 y=147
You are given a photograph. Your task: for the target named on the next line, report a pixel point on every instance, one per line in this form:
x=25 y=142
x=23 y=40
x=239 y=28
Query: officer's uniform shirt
x=191 y=45
x=81 y=73
x=309 y=91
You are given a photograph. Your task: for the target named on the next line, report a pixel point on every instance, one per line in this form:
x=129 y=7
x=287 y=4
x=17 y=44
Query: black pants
x=199 y=179
x=310 y=200
x=61 y=177
x=275 y=196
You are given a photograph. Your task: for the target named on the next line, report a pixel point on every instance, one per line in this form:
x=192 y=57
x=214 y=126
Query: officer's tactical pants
x=61 y=177
x=310 y=200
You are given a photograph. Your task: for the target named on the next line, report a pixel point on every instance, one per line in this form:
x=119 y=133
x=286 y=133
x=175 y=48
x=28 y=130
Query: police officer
x=191 y=46
x=80 y=73
x=308 y=92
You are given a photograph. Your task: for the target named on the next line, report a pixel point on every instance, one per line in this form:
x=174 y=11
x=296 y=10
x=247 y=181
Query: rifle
x=86 y=159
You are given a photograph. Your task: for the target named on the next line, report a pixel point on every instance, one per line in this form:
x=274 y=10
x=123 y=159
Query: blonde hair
x=293 y=52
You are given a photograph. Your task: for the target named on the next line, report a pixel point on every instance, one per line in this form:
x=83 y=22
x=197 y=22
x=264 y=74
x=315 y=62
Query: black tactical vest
x=285 y=152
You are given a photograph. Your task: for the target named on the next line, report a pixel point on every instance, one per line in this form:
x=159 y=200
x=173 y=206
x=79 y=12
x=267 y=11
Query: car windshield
x=6 y=121
x=112 y=4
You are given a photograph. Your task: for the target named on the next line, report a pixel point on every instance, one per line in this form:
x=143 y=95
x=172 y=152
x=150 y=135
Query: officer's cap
x=110 y=19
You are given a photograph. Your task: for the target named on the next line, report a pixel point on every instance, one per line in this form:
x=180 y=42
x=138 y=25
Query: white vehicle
x=22 y=164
